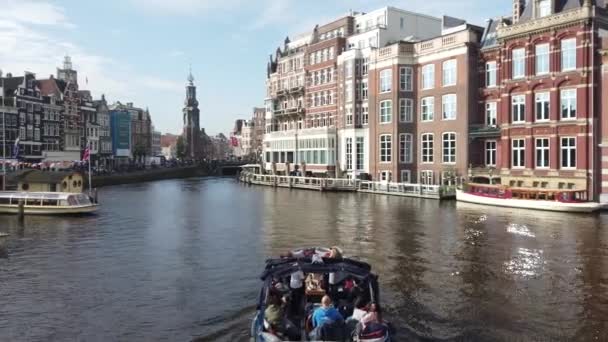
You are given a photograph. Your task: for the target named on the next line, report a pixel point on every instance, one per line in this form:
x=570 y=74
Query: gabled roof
x=49 y=87
x=488 y=39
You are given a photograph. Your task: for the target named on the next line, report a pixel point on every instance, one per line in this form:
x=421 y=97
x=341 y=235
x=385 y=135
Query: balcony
x=289 y=111
x=370 y=28
x=483 y=131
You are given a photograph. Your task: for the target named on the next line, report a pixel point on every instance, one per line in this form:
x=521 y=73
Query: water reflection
x=174 y=260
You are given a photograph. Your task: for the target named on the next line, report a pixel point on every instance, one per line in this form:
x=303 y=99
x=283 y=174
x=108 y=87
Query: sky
x=140 y=50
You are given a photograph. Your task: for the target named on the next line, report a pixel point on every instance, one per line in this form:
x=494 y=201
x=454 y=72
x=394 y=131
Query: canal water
x=178 y=260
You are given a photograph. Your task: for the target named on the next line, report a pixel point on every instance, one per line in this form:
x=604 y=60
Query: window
x=348 y=69
x=542 y=59
x=491 y=153
x=568 y=147
x=518 y=153
x=428 y=104
x=364 y=115
x=349 y=92
x=427 y=147
x=491 y=114
x=544 y=8
x=385 y=148
x=405 y=148
x=448 y=105
x=449 y=72
x=518 y=108
x=406 y=176
x=405 y=78
x=428 y=76
x=542 y=106
x=349 y=115
x=385 y=80
x=364 y=66
x=568 y=104
x=386 y=111
x=360 y=153
x=519 y=63
x=405 y=110
x=426 y=177
x=364 y=90
x=568 y=54
x=491 y=74
x=542 y=153
x=449 y=148
x=385 y=176
x=349 y=153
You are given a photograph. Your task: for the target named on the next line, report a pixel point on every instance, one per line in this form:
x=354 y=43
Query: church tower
x=192 y=129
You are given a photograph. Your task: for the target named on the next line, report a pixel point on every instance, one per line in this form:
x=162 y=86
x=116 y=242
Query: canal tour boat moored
x=46 y=203
x=566 y=200
x=348 y=280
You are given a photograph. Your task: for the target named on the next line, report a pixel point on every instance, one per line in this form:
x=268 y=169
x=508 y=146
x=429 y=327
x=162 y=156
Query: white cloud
x=176 y=53
x=185 y=7
x=34 y=12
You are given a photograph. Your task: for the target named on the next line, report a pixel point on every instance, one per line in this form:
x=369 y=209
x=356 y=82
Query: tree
x=180 y=148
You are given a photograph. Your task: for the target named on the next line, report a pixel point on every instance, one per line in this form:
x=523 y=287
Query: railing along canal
x=347 y=184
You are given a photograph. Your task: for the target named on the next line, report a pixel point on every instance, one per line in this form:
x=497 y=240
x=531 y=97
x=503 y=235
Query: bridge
x=226 y=168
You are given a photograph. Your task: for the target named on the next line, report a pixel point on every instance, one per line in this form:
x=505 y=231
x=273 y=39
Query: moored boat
x=46 y=203
x=305 y=280
x=564 y=200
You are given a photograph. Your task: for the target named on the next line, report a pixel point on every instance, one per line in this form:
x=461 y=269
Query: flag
x=16 y=149
x=86 y=155
x=234 y=142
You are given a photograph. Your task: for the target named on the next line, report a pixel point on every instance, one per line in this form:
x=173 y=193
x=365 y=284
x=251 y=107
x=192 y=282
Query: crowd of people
x=345 y=308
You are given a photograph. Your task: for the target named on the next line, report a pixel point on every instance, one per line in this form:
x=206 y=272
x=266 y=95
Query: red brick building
x=537 y=123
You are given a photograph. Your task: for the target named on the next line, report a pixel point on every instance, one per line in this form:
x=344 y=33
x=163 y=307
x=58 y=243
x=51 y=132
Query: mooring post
x=21 y=210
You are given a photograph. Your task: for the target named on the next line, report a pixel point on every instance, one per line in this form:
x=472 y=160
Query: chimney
x=518 y=8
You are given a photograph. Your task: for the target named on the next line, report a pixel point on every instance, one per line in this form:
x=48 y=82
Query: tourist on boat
x=296 y=283
x=274 y=315
x=371 y=322
x=360 y=309
x=326 y=314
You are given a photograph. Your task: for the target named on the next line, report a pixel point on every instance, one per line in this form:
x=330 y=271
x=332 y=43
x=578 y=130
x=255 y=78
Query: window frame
x=491 y=107
x=491 y=74
x=406 y=78
x=564 y=57
x=570 y=102
x=386 y=81
x=546 y=57
x=449 y=71
x=424 y=102
x=406 y=109
x=385 y=115
x=428 y=76
x=569 y=158
x=545 y=153
x=522 y=112
x=406 y=144
x=519 y=149
x=492 y=154
x=453 y=105
x=385 y=148
x=518 y=63
x=427 y=148
x=546 y=110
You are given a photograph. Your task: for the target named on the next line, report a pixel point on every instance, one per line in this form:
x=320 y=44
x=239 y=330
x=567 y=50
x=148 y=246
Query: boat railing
x=406 y=188
x=506 y=192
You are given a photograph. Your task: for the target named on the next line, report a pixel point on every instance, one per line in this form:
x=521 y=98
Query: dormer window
x=544 y=8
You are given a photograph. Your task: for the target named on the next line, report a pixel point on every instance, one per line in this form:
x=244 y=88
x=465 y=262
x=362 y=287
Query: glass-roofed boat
x=46 y=203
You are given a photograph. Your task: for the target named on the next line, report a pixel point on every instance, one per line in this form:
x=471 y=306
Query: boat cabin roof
x=42 y=195
x=285 y=266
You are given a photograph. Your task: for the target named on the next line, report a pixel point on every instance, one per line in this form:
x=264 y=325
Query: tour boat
x=46 y=203
x=312 y=267
x=565 y=200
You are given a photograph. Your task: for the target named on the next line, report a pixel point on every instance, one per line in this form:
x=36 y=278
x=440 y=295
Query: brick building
x=538 y=72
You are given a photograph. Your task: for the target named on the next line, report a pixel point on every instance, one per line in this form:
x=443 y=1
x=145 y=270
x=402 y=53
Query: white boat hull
x=56 y=210
x=584 y=207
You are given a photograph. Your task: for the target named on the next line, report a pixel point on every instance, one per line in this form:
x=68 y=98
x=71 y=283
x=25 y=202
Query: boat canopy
x=36 y=195
x=278 y=268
